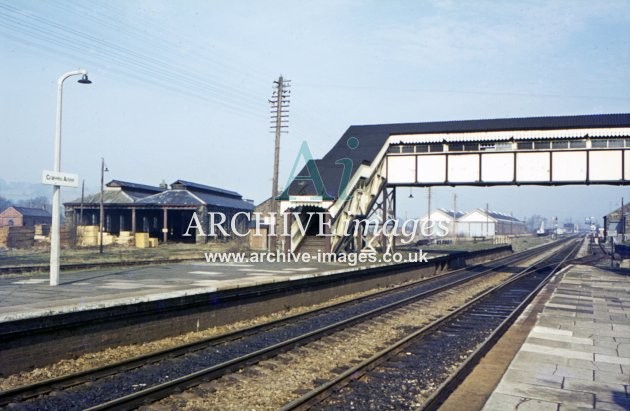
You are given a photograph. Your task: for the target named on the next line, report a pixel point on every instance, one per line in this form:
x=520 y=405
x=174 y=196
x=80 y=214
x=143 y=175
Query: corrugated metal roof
x=171 y=198
x=372 y=138
x=181 y=198
x=223 y=201
x=192 y=194
x=209 y=189
x=451 y=212
x=127 y=186
x=508 y=135
x=109 y=197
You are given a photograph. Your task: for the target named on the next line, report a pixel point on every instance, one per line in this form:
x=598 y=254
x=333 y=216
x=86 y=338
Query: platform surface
x=29 y=296
x=578 y=354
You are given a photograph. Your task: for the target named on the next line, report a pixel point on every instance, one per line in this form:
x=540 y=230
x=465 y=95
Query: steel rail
x=69 y=380
x=159 y=391
x=456 y=378
x=323 y=391
x=29 y=391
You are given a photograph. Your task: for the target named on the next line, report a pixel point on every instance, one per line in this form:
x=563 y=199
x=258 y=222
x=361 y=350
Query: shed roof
x=205 y=189
x=182 y=194
x=178 y=197
x=127 y=186
x=31 y=212
x=495 y=215
x=450 y=213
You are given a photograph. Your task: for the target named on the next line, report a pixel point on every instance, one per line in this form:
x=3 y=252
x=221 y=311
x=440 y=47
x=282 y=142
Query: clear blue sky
x=180 y=88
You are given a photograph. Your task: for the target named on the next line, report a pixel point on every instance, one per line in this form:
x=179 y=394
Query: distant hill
x=15 y=191
x=20 y=190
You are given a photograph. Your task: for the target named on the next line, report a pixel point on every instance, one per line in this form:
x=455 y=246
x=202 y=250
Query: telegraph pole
x=279 y=124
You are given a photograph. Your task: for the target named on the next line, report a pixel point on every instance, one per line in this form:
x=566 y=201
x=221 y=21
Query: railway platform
x=577 y=355
x=30 y=296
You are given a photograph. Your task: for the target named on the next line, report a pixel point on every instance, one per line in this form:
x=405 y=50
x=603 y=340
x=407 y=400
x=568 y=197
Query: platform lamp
x=55 y=234
x=104 y=169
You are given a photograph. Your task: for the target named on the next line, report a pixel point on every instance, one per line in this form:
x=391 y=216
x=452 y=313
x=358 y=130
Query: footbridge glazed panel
x=543 y=157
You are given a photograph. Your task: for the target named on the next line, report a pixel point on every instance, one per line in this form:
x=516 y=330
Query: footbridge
x=356 y=180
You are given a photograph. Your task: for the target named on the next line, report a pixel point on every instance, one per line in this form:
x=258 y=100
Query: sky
x=180 y=88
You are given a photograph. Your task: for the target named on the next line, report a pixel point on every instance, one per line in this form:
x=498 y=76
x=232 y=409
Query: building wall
x=476 y=228
x=439 y=216
x=11 y=217
x=476 y=224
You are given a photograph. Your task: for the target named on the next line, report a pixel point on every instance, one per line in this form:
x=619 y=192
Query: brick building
x=24 y=217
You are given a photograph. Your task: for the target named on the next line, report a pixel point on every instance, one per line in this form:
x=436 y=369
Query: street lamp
x=55 y=245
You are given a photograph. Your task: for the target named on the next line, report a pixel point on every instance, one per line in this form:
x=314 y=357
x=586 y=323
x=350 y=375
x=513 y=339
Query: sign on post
x=57 y=178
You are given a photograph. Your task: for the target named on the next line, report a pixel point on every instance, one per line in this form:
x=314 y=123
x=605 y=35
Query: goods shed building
x=162 y=212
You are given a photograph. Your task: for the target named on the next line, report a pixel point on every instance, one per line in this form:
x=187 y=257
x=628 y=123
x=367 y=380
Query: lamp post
x=55 y=244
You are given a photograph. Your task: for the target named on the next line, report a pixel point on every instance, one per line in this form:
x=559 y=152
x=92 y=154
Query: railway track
x=405 y=374
x=131 y=383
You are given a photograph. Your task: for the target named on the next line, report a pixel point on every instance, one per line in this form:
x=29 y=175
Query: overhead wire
x=66 y=38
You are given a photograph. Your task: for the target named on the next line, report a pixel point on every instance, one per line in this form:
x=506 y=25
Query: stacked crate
x=142 y=240
x=87 y=235
x=42 y=230
x=4 y=236
x=125 y=238
x=17 y=237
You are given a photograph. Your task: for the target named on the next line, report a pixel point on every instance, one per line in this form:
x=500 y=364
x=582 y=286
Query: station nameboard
x=57 y=178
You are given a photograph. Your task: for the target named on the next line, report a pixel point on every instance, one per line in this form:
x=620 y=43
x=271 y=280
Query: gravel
x=273 y=383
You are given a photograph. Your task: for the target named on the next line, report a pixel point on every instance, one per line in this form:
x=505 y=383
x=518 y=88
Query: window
x=599 y=143
x=560 y=144
x=393 y=149
x=524 y=145
x=539 y=145
x=471 y=147
x=456 y=147
x=436 y=148
x=615 y=143
x=407 y=149
x=578 y=144
x=422 y=148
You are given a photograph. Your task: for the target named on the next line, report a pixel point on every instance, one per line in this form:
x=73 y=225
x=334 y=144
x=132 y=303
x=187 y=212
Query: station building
x=161 y=211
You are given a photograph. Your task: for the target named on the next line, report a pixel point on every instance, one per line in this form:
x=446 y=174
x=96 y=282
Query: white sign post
x=57 y=178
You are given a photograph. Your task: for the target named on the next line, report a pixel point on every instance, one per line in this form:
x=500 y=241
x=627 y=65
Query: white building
x=447 y=219
x=479 y=223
